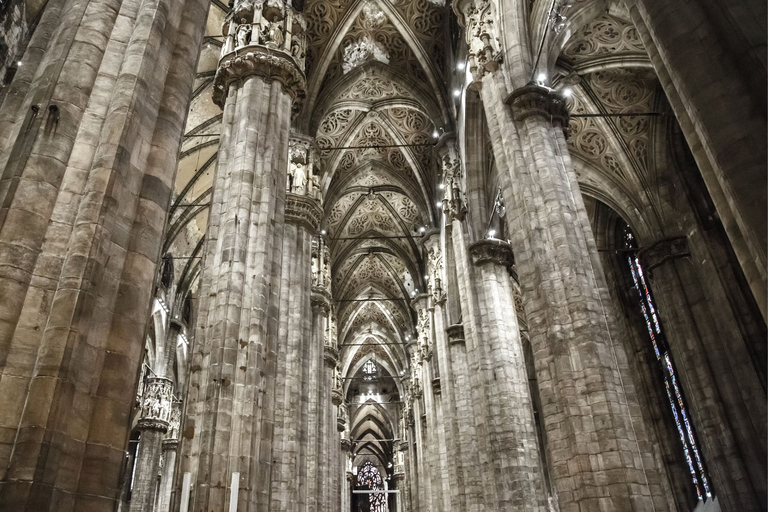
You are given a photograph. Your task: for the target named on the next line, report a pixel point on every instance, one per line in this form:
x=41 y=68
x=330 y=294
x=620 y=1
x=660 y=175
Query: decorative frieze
x=492 y=251
x=263 y=38
x=664 y=250
x=155 y=408
x=535 y=100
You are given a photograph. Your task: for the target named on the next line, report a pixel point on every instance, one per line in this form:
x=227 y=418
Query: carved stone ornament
x=455 y=334
x=495 y=252
x=535 y=100
x=257 y=60
x=155 y=409
x=303 y=211
x=664 y=250
x=320 y=300
x=481 y=35
x=330 y=356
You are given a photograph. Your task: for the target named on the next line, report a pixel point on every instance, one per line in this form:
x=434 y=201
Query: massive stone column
x=507 y=447
x=89 y=133
x=228 y=434
x=155 y=414
x=589 y=428
x=715 y=85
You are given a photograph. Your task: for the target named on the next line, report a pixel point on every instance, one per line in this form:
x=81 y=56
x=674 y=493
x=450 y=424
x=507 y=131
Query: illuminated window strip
x=650 y=314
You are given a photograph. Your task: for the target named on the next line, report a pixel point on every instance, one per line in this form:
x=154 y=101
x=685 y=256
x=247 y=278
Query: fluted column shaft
x=316 y=374
x=507 y=442
x=231 y=402
x=567 y=319
x=170 y=447
x=80 y=235
x=294 y=340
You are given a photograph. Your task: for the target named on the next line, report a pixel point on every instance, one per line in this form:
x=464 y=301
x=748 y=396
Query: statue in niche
x=243 y=33
x=299 y=178
x=315 y=270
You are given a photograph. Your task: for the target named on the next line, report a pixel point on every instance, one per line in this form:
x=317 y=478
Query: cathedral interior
x=383 y=256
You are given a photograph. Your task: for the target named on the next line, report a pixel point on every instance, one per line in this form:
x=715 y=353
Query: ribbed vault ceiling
x=376 y=95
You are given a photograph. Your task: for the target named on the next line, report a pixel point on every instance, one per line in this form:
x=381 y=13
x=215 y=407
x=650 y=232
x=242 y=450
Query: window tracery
x=673 y=388
x=369 y=477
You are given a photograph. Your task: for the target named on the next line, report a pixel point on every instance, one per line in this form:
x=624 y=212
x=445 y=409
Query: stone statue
x=299 y=178
x=243 y=33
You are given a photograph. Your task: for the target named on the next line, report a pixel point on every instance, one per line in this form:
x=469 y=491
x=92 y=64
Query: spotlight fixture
x=407 y=337
x=541 y=78
x=18 y=63
x=460 y=66
x=422 y=229
x=567 y=92
x=491 y=233
x=435 y=134
x=323 y=232
x=439 y=204
x=441 y=186
x=456 y=93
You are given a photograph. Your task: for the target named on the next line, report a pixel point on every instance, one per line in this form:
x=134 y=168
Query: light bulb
x=323 y=232
x=441 y=186
x=541 y=78
x=567 y=92
x=491 y=233
x=457 y=93
x=435 y=134
x=460 y=66
x=422 y=229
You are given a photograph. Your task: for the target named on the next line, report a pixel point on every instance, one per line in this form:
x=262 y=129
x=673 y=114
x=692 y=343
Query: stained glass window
x=369 y=371
x=368 y=477
x=676 y=399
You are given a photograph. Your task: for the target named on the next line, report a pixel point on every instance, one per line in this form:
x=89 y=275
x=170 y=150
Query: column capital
x=336 y=396
x=330 y=356
x=436 y=389
x=346 y=445
x=264 y=39
x=303 y=211
x=497 y=252
x=155 y=409
x=664 y=250
x=535 y=100
x=320 y=300
x=455 y=334
x=170 y=445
